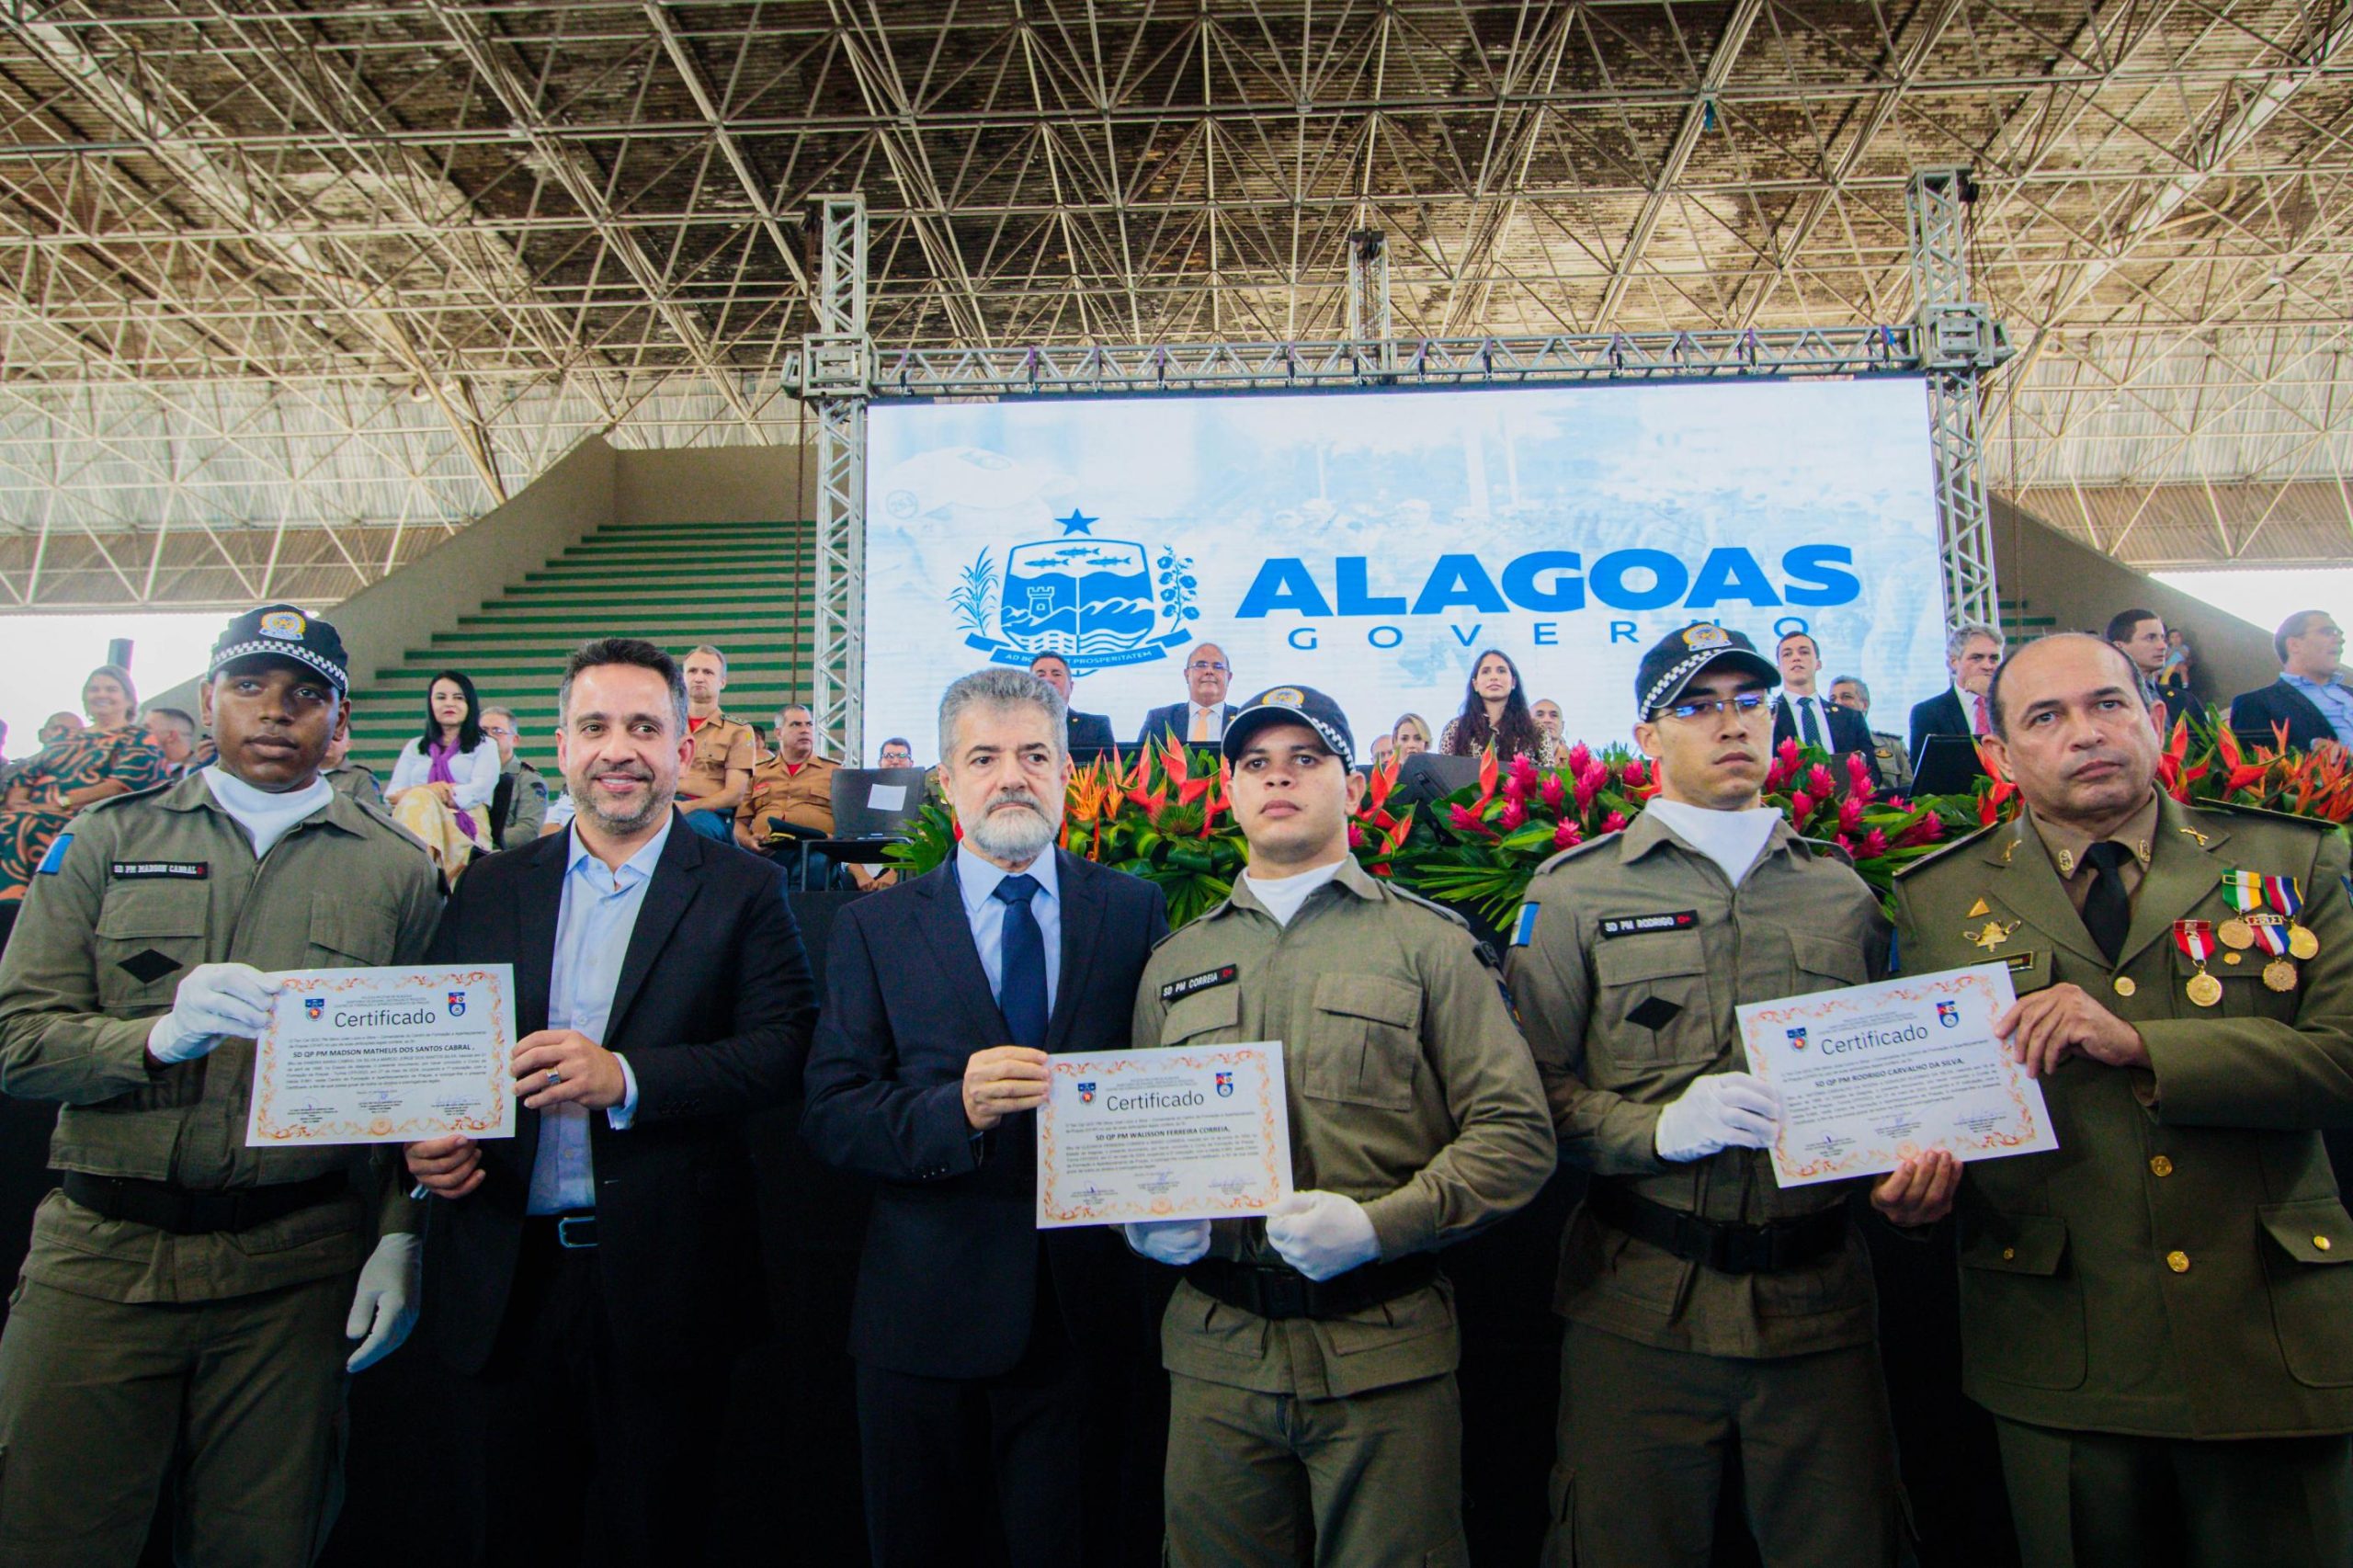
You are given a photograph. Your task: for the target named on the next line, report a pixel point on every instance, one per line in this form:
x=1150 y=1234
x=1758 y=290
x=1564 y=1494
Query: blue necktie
x=1021 y=995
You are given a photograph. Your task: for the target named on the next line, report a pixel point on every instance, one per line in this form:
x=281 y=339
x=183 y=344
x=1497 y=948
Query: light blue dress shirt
x=592 y=931
x=985 y=913
x=2335 y=703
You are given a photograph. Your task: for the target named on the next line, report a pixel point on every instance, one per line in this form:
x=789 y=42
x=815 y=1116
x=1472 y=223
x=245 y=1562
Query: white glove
x=1321 y=1233
x=215 y=1000
x=1724 y=1110
x=384 y=1307
x=1172 y=1242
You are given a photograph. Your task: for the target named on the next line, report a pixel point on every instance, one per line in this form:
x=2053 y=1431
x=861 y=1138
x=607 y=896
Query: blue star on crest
x=1077 y=522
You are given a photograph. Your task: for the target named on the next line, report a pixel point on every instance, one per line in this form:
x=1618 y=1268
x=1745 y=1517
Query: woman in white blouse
x=442 y=785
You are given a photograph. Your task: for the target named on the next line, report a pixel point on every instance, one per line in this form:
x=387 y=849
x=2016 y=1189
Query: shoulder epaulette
x=1219 y=907
x=2264 y=813
x=1942 y=850
x=1431 y=904
x=1827 y=849
x=1572 y=851
x=112 y=802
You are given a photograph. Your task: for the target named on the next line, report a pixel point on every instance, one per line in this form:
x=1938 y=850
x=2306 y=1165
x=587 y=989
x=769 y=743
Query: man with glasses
x=1201 y=720
x=1708 y=1309
x=520 y=807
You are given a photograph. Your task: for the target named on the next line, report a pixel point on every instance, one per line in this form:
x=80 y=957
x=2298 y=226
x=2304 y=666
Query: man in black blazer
x=1208 y=674
x=1084 y=732
x=2307 y=697
x=1973 y=652
x=1833 y=728
x=2140 y=635
x=991 y=1358
x=592 y=1278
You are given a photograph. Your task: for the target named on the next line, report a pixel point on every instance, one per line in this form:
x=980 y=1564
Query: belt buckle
x=587 y=1223
x=1284 y=1294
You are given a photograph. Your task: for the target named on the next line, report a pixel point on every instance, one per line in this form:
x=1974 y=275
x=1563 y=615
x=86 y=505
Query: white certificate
x=1879 y=1074
x=1180 y=1132
x=385 y=1056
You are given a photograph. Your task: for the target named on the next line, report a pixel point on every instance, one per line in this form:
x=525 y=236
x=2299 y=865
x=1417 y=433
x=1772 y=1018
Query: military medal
x=2196 y=938
x=2243 y=891
x=1992 y=935
x=2287 y=896
x=2271 y=935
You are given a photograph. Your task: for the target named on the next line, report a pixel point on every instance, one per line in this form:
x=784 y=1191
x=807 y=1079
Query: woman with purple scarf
x=441 y=788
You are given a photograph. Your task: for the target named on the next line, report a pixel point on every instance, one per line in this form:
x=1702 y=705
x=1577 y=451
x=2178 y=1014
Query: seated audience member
x=2140 y=635
x=1973 y=652
x=2307 y=697
x=795 y=788
x=84 y=765
x=559 y=814
x=355 y=780
x=1889 y=761
x=1088 y=732
x=1494 y=711
x=57 y=726
x=521 y=803
x=1547 y=714
x=1201 y=720
x=2181 y=660
x=446 y=777
x=725 y=751
x=896 y=753
x=172 y=733
x=1802 y=714
x=1412 y=735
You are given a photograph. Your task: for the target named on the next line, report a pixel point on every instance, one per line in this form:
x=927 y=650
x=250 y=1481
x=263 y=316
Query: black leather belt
x=187 y=1213
x=1725 y=1245
x=571 y=1231
x=1274 y=1292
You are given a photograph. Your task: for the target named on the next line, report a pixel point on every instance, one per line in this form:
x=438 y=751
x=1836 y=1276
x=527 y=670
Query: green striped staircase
x=744 y=587
x=2018 y=626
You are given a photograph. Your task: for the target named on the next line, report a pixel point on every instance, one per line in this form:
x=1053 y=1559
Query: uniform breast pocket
x=2243 y=993
x=1827 y=962
x=1650 y=998
x=1206 y=1018
x=1364 y=1040
x=344 y=936
x=149 y=935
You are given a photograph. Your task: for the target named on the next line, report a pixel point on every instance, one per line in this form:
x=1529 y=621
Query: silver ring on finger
x=555 y=1076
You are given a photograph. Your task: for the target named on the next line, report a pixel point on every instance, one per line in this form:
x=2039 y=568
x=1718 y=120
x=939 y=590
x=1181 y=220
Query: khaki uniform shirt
x=722 y=746
x=2068 y=849
x=358 y=781
x=153 y=885
x=1410 y=1091
x=2181 y=1266
x=1891 y=762
x=1626 y=978
x=802 y=797
x=527 y=804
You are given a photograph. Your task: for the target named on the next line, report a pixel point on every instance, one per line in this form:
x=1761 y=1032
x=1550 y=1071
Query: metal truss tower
x=835 y=373
x=1958 y=341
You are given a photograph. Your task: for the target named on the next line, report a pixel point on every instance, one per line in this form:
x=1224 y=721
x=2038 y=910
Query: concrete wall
x=715 y=484
x=2051 y=574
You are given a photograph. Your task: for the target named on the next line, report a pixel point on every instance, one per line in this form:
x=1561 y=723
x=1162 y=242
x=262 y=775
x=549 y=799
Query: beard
x=1014 y=835
x=585 y=802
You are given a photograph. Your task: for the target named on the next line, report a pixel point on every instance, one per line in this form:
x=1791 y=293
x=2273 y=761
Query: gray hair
x=1855 y=681
x=714 y=653
x=1968 y=631
x=506 y=714
x=1000 y=688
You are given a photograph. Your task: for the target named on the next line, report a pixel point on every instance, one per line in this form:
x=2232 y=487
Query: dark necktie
x=1805 y=717
x=2108 y=910
x=1021 y=992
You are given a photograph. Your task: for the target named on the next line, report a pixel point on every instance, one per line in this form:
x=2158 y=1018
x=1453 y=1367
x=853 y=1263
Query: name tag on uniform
x=1643 y=925
x=1178 y=990
x=180 y=871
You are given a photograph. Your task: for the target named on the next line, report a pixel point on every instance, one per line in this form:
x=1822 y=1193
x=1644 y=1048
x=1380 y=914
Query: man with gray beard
x=1004 y=1376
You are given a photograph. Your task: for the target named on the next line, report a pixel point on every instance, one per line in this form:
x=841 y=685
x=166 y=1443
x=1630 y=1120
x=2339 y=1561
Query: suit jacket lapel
x=1082 y=896
x=2030 y=888
x=949 y=936
x=539 y=894
x=2181 y=872
x=672 y=889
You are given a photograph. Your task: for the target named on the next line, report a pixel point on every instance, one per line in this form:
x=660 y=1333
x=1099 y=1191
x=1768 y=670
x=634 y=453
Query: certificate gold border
x=264 y=1131
x=1273 y=1126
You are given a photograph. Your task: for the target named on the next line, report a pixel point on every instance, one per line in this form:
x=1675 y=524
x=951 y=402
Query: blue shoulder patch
x=56 y=856
x=1523 y=931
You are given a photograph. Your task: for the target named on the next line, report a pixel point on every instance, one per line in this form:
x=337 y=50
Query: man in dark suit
x=1201 y=720
x=1802 y=714
x=1973 y=652
x=591 y=1277
x=2307 y=697
x=1085 y=731
x=991 y=1358
x=2140 y=636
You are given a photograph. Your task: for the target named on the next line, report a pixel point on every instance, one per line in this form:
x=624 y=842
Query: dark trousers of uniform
x=1646 y=1432
x=1373 y=1479
x=586 y=1451
x=239 y=1402
x=2089 y=1499
x=1021 y=1468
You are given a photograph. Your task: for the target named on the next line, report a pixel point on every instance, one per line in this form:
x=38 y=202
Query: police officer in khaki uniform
x=2159 y=1314
x=519 y=807
x=725 y=751
x=183 y=1313
x=1312 y=1353
x=355 y=780
x=1889 y=761
x=1709 y=1310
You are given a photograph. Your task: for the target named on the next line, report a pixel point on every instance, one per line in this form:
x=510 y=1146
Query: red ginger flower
x=1614 y=823
x=1800 y=808
x=1579 y=756
x=1874 y=844
x=1515 y=815
x=1554 y=792
x=1568 y=835
x=1850 y=815
x=1820 y=784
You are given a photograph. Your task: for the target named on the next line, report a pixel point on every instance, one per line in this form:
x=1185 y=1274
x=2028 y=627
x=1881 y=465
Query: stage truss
x=1952 y=340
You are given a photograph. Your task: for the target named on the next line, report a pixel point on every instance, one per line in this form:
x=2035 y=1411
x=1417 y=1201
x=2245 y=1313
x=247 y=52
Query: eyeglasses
x=1748 y=705
x=1198 y=664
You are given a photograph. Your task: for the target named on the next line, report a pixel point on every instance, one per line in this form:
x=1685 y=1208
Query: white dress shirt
x=476 y=772
x=1797 y=706
x=593 y=924
x=977 y=880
